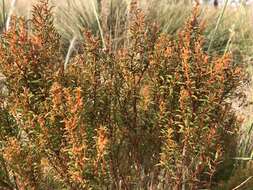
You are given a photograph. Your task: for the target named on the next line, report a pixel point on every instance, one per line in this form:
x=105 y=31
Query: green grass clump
x=234 y=31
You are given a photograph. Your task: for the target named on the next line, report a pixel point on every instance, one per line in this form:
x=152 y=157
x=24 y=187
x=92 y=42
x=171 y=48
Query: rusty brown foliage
x=154 y=114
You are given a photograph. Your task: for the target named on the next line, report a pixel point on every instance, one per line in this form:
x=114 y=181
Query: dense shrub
x=155 y=114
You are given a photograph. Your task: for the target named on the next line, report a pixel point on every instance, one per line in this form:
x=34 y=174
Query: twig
x=243 y=183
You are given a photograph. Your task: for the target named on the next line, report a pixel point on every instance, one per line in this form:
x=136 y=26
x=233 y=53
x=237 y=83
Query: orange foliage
x=154 y=113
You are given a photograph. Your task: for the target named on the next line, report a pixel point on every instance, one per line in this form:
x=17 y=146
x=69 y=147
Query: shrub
x=155 y=113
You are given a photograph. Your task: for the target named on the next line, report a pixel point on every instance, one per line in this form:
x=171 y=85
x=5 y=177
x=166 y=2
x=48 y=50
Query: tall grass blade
x=99 y=25
x=70 y=49
x=232 y=33
x=217 y=25
x=3 y=16
x=13 y=4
